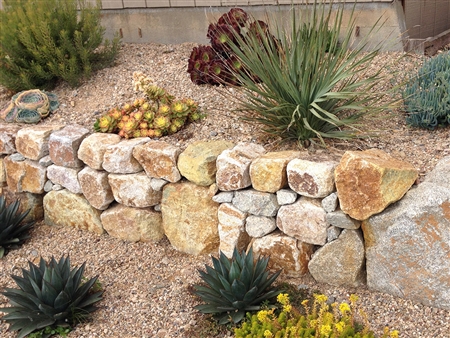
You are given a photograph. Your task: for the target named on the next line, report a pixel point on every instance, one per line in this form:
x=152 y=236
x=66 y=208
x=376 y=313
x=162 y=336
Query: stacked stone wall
x=345 y=222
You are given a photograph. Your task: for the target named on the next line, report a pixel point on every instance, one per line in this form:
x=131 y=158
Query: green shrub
x=13 y=232
x=427 y=94
x=311 y=84
x=320 y=320
x=50 y=295
x=156 y=115
x=235 y=286
x=43 y=41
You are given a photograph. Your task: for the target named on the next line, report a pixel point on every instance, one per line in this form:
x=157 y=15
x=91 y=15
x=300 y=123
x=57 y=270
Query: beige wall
x=426 y=18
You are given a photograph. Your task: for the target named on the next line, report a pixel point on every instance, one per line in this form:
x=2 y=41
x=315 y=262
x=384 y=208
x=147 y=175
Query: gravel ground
x=148 y=285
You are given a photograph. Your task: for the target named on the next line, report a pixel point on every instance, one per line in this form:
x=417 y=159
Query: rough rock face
x=408 y=245
x=259 y=226
x=32 y=142
x=285 y=253
x=133 y=224
x=66 y=177
x=67 y=209
x=34 y=202
x=8 y=134
x=305 y=220
x=63 y=146
x=118 y=158
x=268 y=172
x=232 y=229
x=93 y=148
x=159 y=160
x=340 y=262
x=198 y=162
x=134 y=190
x=311 y=179
x=368 y=181
x=256 y=202
x=233 y=166
x=96 y=188
x=190 y=218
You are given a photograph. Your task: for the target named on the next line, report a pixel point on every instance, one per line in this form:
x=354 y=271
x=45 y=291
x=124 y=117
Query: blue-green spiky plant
x=235 y=286
x=427 y=95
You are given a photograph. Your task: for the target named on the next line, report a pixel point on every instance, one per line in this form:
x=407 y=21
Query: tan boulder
x=8 y=134
x=67 y=209
x=118 y=158
x=32 y=142
x=93 y=148
x=268 y=172
x=368 y=181
x=66 y=177
x=28 y=201
x=15 y=171
x=285 y=253
x=190 y=218
x=159 y=160
x=198 y=162
x=95 y=187
x=133 y=224
x=232 y=229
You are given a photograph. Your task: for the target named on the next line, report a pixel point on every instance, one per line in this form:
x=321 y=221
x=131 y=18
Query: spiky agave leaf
x=12 y=232
x=50 y=294
x=235 y=286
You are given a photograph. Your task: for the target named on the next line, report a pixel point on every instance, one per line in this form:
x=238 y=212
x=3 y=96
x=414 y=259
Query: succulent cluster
x=427 y=94
x=216 y=64
x=236 y=286
x=13 y=232
x=49 y=295
x=156 y=115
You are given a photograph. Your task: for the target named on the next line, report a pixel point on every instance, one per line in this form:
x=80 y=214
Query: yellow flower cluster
x=344 y=308
x=283 y=298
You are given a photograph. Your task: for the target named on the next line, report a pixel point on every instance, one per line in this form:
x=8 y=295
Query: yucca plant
x=50 y=294
x=235 y=286
x=13 y=232
x=312 y=83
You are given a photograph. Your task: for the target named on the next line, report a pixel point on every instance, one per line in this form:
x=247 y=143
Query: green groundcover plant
x=45 y=41
x=311 y=82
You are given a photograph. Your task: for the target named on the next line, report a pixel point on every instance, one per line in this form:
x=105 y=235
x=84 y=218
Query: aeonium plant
x=155 y=115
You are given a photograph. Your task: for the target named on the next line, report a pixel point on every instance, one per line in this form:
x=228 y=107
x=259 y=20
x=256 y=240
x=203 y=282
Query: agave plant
x=235 y=286
x=12 y=232
x=50 y=295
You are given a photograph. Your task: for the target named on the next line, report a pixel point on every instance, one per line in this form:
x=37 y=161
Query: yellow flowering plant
x=321 y=320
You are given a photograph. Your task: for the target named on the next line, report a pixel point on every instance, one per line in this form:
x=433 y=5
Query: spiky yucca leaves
x=235 y=286
x=12 y=232
x=50 y=294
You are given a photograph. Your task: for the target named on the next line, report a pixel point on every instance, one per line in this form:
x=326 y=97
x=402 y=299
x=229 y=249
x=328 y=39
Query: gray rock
x=256 y=202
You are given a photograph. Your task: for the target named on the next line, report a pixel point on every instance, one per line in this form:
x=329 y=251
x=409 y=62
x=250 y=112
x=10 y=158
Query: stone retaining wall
x=346 y=222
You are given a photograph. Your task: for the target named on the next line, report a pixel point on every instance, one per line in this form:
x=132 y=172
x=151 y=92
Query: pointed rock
x=133 y=224
x=118 y=158
x=311 y=179
x=232 y=229
x=134 y=190
x=67 y=209
x=32 y=142
x=190 y=218
x=268 y=172
x=304 y=220
x=63 y=146
x=340 y=262
x=233 y=166
x=159 y=160
x=285 y=253
x=368 y=181
x=93 y=148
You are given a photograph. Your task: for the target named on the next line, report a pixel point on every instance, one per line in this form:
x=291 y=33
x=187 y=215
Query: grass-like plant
x=51 y=295
x=45 y=41
x=13 y=231
x=312 y=82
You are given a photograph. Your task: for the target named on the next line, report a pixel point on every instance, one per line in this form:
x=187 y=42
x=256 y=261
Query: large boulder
x=32 y=142
x=368 y=181
x=93 y=148
x=190 y=218
x=408 y=245
x=63 y=146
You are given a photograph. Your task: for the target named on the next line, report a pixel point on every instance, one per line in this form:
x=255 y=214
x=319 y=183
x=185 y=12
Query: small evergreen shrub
x=427 y=94
x=156 y=115
x=44 y=41
x=320 y=320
